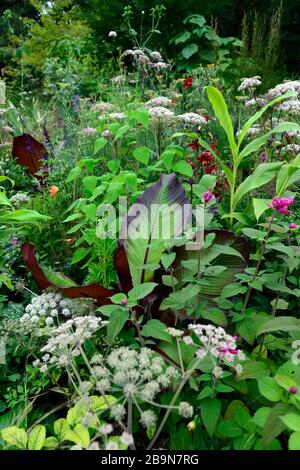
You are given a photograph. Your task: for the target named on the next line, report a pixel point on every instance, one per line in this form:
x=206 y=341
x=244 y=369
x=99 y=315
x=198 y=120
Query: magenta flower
x=264 y=156
x=124 y=301
x=207 y=196
x=281 y=204
x=293 y=390
x=293 y=226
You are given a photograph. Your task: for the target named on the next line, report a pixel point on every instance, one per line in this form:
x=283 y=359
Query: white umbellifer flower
x=293 y=134
x=66 y=312
x=185 y=409
x=106 y=133
x=220 y=345
x=25 y=317
x=103 y=107
x=34 y=318
x=256 y=102
x=112 y=34
x=88 y=131
x=128 y=52
x=291 y=148
x=187 y=340
x=159 y=112
x=156 y=55
x=174 y=332
x=111 y=445
x=218 y=371
x=159 y=101
x=192 y=118
x=19 y=199
x=160 y=65
x=126 y=439
x=117 y=116
x=253 y=130
x=148 y=419
x=94 y=446
x=239 y=369
x=49 y=321
x=106 y=429
x=252 y=82
x=296 y=354
x=119 y=79
x=290 y=107
x=282 y=88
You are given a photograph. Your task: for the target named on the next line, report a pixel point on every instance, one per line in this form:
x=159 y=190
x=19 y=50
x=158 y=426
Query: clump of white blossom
x=118 y=80
x=117 y=116
x=65 y=341
x=88 y=131
x=19 y=199
x=291 y=148
x=50 y=307
x=160 y=112
x=112 y=34
x=257 y=101
x=192 y=118
x=290 y=107
x=249 y=83
x=102 y=107
x=152 y=61
x=222 y=347
x=282 y=88
x=296 y=353
x=159 y=101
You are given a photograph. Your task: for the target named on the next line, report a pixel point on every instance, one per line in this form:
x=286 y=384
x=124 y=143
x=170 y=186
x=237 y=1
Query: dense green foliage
x=149 y=226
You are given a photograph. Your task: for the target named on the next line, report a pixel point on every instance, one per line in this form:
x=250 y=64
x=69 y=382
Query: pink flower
x=124 y=301
x=293 y=390
x=207 y=196
x=280 y=204
x=293 y=226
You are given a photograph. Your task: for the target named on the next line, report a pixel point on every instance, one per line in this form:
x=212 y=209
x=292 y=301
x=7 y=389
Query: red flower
x=188 y=82
x=195 y=145
x=205 y=158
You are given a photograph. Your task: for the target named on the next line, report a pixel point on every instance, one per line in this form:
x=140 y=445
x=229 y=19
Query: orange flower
x=53 y=190
x=70 y=241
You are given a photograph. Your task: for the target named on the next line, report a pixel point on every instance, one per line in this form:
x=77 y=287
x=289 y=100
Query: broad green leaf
x=294 y=441
x=79 y=254
x=79 y=435
x=279 y=324
x=141 y=290
x=22 y=216
x=50 y=442
x=292 y=421
x=99 y=144
x=156 y=329
x=189 y=50
x=75 y=414
x=210 y=412
x=116 y=322
x=269 y=388
x=221 y=111
x=37 y=437
x=259 y=206
x=74 y=174
x=167 y=157
x=61 y=428
x=214 y=315
x=253 y=370
x=264 y=173
x=163 y=217
x=141 y=116
x=142 y=154
x=103 y=402
x=274 y=425
x=229 y=428
x=15 y=436
x=4 y=201
x=113 y=166
x=167 y=259
x=183 y=167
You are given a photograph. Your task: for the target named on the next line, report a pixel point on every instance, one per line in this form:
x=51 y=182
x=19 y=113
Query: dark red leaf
x=122 y=267
x=93 y=291
x=29 y=153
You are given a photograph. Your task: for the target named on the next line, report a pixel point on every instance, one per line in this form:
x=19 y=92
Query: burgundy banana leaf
x=93 y=291
x=29 y=153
